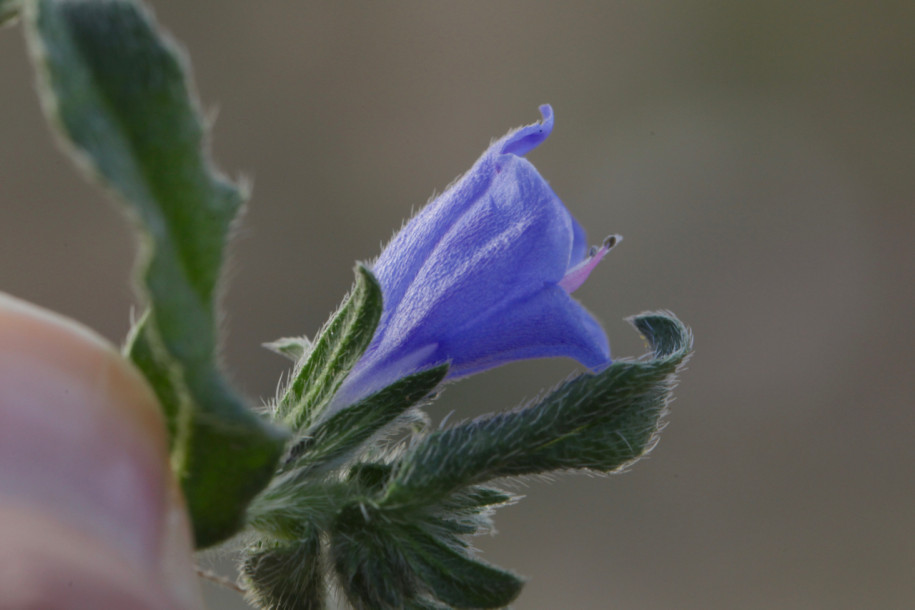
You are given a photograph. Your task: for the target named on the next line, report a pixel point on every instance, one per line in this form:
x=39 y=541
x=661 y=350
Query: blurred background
x=757 y=157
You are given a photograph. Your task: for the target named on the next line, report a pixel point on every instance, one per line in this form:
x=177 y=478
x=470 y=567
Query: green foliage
x=117 y=90
x=321 y=479
x=596 y=422
x=329 y=360
x=389 y=563
x=343 y=432
x=394 y=529
x=453 y=577
x=381 y=560
x=307 y=491
x=141 y=347
x=289 y=575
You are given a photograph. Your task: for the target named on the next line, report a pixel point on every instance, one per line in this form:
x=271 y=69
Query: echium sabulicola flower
x=482 y=276
x=370 y=501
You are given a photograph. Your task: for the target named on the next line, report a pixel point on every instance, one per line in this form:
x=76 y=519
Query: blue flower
x=482 y=276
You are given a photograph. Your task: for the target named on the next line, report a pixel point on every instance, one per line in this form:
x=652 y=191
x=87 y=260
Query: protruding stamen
x=611 y=240
x=576 y=276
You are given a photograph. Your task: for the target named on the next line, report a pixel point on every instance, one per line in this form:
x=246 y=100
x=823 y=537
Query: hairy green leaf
x=117 y=90
x=286 y=509
x=455 y=578
x=388 y=560
x=306 y=491
x=285 y=576
x=466 y=512
x=369 y=562
x=598 y=422
x=338 y=436
x=141 y=350
x=339 y=345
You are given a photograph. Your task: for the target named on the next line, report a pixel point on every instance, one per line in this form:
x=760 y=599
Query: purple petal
x=482 y=276
x=579 y=244
x=517 y=236
x=547 y=324
x=524 y=140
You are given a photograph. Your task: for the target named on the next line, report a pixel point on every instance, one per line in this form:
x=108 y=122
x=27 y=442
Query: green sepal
x=367 y=557
x=117 y=91
x=333 y=354
x=333 y=439
x=455 y=578
x=472 y=500
x=285 y=575
x=388 y=559
x=300 y=493
x=294 y=348
x=287 y=510
x=599 y=422
x=467 y=512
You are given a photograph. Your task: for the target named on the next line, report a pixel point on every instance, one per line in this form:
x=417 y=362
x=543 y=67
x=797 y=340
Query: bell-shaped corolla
x=482 y=276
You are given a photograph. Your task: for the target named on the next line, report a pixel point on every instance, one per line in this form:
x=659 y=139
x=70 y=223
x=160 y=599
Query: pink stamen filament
x=577 y=275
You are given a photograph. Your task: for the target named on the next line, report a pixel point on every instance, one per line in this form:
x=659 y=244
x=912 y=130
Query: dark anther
x=611 y=241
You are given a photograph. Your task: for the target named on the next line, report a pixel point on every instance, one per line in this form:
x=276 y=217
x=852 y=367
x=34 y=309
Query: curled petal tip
x=546 y=114
x=526 y=139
